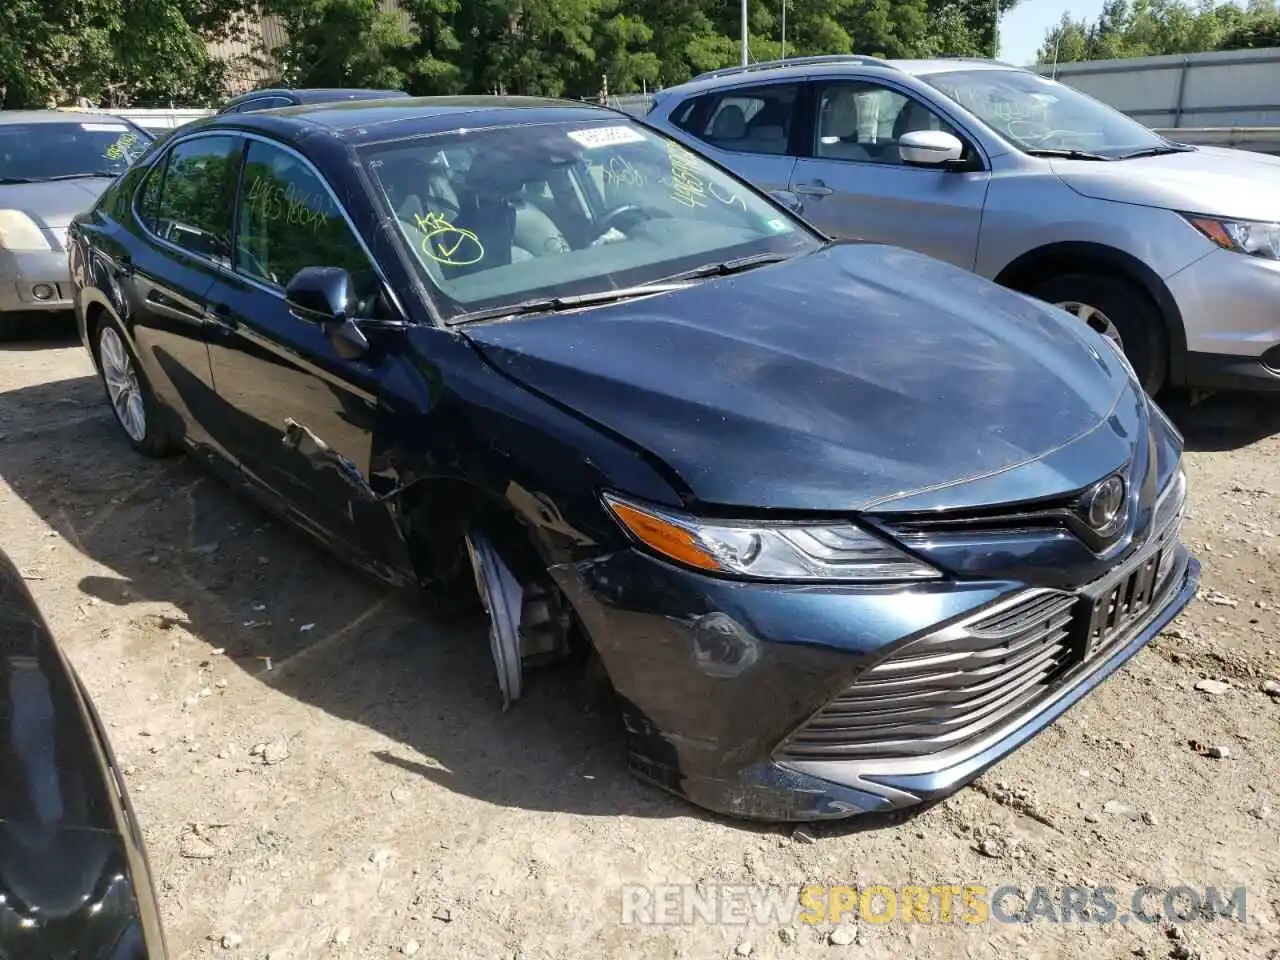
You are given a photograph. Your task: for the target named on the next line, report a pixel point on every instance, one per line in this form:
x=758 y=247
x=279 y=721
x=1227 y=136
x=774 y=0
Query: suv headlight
x=1254 y=237
x=832 y=552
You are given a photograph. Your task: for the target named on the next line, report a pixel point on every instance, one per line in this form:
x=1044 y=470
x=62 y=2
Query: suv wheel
x=130 y=395
x=1117 y=309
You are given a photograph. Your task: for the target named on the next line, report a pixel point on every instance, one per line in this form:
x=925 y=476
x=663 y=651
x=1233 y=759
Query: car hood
x=67 y=872
x=1211 y=180
x=835 y=381
x=53 y=205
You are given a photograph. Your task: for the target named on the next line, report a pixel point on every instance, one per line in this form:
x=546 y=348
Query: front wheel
x=1119 y=310
x=130 y=395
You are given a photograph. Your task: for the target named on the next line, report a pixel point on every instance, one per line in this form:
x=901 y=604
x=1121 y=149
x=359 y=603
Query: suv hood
x=1217 y=181
x=832 y=381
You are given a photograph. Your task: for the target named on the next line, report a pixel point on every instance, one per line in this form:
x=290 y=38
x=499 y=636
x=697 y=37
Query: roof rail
x=850 y=58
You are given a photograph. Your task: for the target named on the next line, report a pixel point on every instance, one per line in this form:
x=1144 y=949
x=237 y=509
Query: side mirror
x=788 y=199
x=930 y=148
x=321 y=294
x=326 y=296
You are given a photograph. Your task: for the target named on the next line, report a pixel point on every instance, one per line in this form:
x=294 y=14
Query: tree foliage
x=1143 y=28
x=111 y=52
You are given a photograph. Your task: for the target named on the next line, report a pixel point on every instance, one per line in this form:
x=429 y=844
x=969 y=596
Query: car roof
x=57 y=116
x=366 y=121
x=830 y=66
x=316 y=94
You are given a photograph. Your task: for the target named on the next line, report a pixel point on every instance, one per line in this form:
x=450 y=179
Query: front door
x=854 y=184
x=302 y=415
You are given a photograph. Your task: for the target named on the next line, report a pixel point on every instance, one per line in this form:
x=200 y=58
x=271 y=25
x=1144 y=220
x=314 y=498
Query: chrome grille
x=945 y=688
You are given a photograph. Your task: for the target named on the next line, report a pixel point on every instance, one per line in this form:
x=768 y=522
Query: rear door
x=746 y=128
x=300 y=415
x=853 y=183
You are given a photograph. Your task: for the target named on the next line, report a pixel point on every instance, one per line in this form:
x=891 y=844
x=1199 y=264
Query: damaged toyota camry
x=843 y=525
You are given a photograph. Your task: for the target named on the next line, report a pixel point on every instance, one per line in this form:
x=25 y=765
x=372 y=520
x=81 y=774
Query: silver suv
x=1172 y=250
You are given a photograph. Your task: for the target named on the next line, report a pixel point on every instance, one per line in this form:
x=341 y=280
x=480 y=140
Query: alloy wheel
x=1094 y=317
x=122 y=384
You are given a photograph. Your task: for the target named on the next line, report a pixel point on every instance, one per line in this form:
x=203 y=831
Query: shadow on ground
x=1225 y=421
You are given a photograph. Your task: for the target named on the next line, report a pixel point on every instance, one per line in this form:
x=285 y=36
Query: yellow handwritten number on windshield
x=448 y=244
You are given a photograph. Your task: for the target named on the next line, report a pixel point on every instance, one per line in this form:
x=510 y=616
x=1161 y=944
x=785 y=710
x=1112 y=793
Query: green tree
x=340 y=43
x=111 y=52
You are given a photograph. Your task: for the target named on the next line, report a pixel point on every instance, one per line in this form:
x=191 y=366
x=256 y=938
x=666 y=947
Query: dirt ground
x=397 y=809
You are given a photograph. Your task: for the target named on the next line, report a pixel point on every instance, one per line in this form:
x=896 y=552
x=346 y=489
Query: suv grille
x=945 y=688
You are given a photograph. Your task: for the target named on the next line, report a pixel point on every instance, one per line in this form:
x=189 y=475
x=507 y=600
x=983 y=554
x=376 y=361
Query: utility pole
x=744 y=32
x=995 y=29
x=784 y=28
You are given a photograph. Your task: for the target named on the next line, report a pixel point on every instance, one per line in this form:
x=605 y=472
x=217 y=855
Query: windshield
x=31 y=152
x=504 y=215
x=1035 y=113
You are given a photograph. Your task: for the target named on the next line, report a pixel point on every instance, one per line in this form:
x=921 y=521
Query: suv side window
x=192 y=208
x=859 y=120
x=287 y=220
x=748 y=119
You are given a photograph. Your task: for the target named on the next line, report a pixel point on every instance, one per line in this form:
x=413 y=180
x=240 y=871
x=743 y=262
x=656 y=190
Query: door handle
x=812 y=190
x=219 y=315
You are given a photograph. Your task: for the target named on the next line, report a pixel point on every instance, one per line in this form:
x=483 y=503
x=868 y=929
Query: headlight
x=1253 y=237
x=18 y=232
x=836 y=552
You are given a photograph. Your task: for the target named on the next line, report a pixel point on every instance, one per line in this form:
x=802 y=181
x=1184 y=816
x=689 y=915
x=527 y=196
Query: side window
x=864 y=121
x=286 y=220
x=683 y=115
x=750 y=119
x=193 y=207
x=148 y=202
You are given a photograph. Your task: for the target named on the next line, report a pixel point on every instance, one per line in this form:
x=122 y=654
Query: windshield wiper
x=80 y=176
x=553 y=304
x=1064 y=154
x=726 y=267
x=1154 y=152
x=12 y=180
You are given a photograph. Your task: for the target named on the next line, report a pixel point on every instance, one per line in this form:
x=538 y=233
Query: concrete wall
x=1236 y=88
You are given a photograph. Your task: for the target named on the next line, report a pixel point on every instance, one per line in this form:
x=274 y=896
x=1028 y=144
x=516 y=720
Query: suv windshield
x=32 y=152
x=505 y=215
x=1035 y=113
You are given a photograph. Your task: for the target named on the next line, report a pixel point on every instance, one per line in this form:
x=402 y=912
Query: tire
x=1119 y=309
x=132 y=400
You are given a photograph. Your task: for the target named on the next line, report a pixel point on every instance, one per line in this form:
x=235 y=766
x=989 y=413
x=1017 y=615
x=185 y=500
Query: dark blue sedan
x=842 y=524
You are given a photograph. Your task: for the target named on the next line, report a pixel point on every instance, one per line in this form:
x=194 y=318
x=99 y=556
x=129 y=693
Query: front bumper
x=1230 y=306
x=35 y=282
x=717 y=680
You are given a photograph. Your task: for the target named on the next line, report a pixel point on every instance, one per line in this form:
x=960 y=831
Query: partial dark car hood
x=68 y=859
x=834 y=381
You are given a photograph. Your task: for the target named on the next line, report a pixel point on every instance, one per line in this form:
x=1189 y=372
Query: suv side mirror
x=930 y=148
x=326 y=296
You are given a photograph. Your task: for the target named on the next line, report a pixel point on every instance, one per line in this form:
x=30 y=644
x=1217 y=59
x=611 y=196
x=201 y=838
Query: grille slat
x=945 y=688
x=940 y=714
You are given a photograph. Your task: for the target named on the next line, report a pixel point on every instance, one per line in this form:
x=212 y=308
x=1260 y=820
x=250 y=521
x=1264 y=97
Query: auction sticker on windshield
x=605 y=137
x=104 y=127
